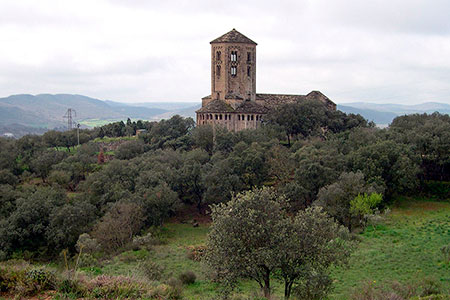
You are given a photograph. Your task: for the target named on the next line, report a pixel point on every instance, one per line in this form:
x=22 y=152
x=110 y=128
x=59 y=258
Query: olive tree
x=253 y=236
x=312 y=243
x=244 y=238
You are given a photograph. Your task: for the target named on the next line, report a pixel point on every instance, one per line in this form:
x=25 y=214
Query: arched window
x=233 y=71
x=249 y=71
x=252 y=117
x=218 y=55
x=233 y=56
x=249 y=56
x=218 y=71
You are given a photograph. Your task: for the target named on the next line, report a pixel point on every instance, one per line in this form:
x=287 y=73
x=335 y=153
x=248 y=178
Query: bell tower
x=233 y=68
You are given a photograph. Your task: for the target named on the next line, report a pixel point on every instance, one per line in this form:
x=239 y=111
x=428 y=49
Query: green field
x=404 y=248
x=98 y=122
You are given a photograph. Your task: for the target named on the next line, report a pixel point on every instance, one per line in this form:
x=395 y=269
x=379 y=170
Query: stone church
x=233 y=102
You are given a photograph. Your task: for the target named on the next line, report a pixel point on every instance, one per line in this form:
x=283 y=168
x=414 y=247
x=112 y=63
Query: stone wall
x=231 y=121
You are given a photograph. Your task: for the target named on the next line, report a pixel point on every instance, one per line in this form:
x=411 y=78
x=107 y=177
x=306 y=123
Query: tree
x=26 y=227
x=66 y=223
x=336 y=198
x=245 y=237
x=7 y=177
x=119 y=225
x=221 y=180
x=315 y=168
x=388 y=163
x=130 y=149
x=8 y=196
x=42 y=162
x=203 y=138
x=429 y=135
x=158 y=203
x=312 y=243
x=364 y=204
x=299 y=118
x=252 y=236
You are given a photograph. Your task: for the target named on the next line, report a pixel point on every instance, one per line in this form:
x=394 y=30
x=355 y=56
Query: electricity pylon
x=69 y=115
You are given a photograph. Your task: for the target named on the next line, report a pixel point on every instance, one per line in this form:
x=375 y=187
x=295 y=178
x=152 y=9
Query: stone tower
x=234 y=103
x=233 y=68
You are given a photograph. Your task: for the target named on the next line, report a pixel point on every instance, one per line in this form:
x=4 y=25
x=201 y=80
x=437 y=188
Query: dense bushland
x=52 y=190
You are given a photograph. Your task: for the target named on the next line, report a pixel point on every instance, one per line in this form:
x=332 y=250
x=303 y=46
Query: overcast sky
x=382 y=51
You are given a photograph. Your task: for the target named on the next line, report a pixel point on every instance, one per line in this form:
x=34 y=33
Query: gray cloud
x=140 y=50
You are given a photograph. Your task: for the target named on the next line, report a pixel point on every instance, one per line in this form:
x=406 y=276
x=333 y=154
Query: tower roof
x=233 y=36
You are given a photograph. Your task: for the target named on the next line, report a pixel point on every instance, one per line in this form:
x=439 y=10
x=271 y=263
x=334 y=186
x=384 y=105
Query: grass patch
x=98 y=122
x=114 y=139
x=406 y=248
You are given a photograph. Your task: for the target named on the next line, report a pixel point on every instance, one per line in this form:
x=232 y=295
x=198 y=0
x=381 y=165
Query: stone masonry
x=233 y=102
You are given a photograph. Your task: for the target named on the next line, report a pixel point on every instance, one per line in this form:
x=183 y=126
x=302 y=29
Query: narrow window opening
x=249 y=56
x=248 y=117
x=218 y=54
x=233 y=56
x=217 y=117
x=218 y=71
x=249 y=71
x=233 y=71
x=252 y=117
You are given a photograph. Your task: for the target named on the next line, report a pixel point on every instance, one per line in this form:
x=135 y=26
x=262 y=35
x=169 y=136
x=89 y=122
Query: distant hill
x=379 y=117
x=383 y=114
x=47 y=110
x=22 y=114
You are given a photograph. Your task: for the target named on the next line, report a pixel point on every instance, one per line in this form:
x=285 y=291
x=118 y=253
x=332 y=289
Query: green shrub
x=40 y=279
x=152 y=270
x=166 y=292
x=145 y=242
x=174 y=282
x=115 y=287
x=72 y=287
x=10 y=278
x=133 y=255
x=87 y=260
x=430 y=287
x=432 y=297
x=196 y=253
x=187 y=277
x=440 y=189
x=446 y=253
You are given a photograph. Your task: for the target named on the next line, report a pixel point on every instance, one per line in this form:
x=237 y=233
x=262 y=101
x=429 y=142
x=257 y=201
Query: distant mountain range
x=21 y=114
x=383 y=114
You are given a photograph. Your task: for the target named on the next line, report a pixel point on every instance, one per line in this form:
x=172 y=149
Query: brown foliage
x=119 y=225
